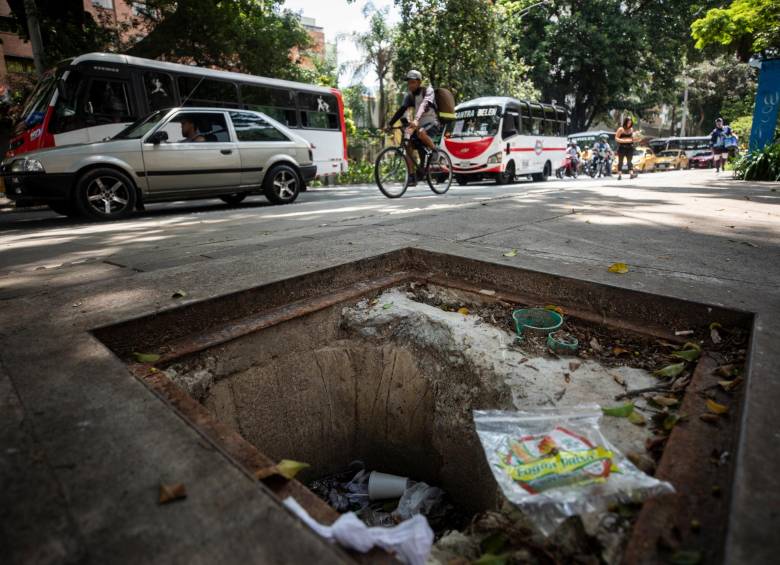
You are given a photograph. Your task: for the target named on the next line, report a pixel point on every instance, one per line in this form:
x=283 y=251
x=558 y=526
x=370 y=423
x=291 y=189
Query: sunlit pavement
x=647 y=222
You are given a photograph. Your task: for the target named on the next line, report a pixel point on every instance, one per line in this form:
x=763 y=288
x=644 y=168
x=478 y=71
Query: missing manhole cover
x=388 y=372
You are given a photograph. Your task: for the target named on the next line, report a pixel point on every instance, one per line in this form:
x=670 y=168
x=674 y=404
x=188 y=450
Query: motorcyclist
x=424 y=124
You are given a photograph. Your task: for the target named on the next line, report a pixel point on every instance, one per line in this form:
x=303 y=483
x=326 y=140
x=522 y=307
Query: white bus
x=95 y=96
x=502 y=138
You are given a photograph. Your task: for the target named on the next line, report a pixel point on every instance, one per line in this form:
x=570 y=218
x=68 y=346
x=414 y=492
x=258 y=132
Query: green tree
x=240 y=35
x=355 y=101
x=746 y=27
x=460 y=45
x=67 y=29
x=378 y=51
x=719 y=87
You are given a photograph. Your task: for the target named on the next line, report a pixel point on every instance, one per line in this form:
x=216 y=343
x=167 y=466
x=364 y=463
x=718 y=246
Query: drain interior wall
x=307 y=390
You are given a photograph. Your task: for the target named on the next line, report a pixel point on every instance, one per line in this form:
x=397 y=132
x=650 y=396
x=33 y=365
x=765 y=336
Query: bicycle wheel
x=438 y=173
x=391 y=173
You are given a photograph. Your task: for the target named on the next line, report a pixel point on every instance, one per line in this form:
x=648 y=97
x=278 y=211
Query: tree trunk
x=381 y=102
x=33 y=25
x=671 y=126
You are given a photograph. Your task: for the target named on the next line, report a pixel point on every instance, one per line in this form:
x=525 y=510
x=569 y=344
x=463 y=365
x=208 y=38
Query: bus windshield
x=140 y=128
x=35 y=109
x=475 y=122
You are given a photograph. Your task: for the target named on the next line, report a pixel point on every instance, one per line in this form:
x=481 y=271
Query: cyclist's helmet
x=603 y=137
x=414 y=75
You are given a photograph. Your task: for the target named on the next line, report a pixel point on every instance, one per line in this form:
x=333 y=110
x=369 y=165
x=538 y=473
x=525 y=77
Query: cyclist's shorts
x=432 y=129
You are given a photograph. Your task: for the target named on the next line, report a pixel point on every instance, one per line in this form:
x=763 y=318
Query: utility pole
x=34 y=28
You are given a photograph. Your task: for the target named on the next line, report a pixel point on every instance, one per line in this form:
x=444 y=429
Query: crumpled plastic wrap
x=554 y=463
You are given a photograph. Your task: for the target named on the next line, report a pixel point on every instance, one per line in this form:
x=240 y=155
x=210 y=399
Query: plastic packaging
x=554 y=463
x=419 y=498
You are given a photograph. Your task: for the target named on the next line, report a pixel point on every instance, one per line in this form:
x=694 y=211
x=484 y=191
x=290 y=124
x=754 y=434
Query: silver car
x=183 y=153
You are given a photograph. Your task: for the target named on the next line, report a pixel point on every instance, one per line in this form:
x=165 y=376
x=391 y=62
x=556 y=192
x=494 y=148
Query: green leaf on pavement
x=670 y=370
x=619 y=268
x=636 y=418
x=687 y=354
x=289 y=468
x=146 y=357
x=622 y=411
x=387 y=306
x=512 y=253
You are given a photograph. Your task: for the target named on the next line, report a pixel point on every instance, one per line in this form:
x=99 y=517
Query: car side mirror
x=158 y=137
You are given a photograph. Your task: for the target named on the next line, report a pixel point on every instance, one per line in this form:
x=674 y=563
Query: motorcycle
x=568 y=169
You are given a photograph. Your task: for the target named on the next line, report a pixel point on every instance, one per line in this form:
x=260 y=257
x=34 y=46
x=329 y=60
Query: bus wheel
x=544 y=175
x=508 y=176
x=105 y=194
x=461 y=180
x=282 y=184
x=233 y=199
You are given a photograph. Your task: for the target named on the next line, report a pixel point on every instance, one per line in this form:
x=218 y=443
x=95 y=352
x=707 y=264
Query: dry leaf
x=554 y=308
x=665 y=400
x=725 y=371
x=716 y=408
x=567 y=377
x=574 y=365
x=169 y=493
x=618 y=379
x=617 y=351
x=620 y=268
x=709 y=418
x=464 y=311
x=728 y=386
x=595 y=345
x=636 y=418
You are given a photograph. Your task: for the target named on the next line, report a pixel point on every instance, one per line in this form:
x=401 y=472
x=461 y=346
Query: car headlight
x=495 y=158
x=27 y=166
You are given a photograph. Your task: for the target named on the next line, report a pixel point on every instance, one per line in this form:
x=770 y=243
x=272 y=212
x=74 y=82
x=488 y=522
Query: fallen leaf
x=670 y=370
x=695 y=525
x=617 y=351
x=567 y=377
x=687 y=354
x=554 y=308
x=715 y=336
x=512 y=253
x=487 y=292
x=636 y=418
x=595 y=345
x=670 y=422
x=620 y=268
x=387 y=306
x=618 y=379
x=715 y=407
x=286 y=468
x=169 y=493
x=464 y=311
x=725 y=371
x=665 y=400
x=728 y=386
x=709 y=418
x=373 y=301
x=491 y=559
x=574 y=365
x=146 y=357
x=622 y=411
x=687 y=557
x=179 y=294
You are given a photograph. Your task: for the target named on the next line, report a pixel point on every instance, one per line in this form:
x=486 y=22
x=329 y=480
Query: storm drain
x=388 y=369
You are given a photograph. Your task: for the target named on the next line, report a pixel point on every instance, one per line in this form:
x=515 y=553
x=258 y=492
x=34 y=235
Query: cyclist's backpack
x=445 y=104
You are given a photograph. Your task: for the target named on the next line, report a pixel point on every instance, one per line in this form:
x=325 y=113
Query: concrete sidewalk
x=85 y=444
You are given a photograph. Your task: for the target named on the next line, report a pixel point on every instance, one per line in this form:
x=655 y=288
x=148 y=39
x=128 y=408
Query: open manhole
x=384 y=360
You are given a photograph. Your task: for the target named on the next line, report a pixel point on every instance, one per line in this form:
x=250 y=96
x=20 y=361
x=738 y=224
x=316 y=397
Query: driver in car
x=190 y=131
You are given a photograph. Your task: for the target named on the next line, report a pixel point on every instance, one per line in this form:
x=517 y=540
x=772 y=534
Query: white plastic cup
x=383 y=485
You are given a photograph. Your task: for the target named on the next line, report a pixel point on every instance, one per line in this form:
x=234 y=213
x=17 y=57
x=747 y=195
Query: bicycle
x=391 y=171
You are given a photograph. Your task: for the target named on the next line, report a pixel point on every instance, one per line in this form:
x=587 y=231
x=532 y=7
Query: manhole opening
x=389 y=373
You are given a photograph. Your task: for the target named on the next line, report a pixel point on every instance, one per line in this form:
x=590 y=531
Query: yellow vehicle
x=671 y=159
x=643 y=161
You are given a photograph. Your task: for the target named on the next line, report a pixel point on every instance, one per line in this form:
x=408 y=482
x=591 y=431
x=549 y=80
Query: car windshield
x=669 y=153
x=475 y=122
x=143 y=126
x=703 y=154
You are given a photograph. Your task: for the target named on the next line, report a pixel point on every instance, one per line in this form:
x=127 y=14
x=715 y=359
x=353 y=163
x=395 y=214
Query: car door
x=200 y=157
x=258 y=141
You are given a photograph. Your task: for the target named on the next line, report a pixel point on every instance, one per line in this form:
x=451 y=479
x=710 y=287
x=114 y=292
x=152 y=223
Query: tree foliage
x=721 y=87
x=746 y=27
x=458 y=44
x=240 y=35
x=67 y=29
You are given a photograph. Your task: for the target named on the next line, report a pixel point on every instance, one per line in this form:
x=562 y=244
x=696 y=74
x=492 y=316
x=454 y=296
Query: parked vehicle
x=701 y=160
x=96 y=95
x=219 y=153
x=644 y=159
x=691 y=145
x=671 y=159
x=502 y=138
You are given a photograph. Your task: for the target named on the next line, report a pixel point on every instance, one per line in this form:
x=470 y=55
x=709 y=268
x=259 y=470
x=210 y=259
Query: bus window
x=561 y=115
x=159 y=91
x=511 y=125
x=537 y=119
x=198 y=91
x=276 y=102
x=318 y=111
x=107 y=102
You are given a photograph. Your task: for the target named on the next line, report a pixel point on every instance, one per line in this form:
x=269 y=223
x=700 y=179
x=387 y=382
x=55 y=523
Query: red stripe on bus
x=518 y=149
x=337 y=93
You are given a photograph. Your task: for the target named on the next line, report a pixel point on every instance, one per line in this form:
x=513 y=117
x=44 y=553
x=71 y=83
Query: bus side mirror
x=158 y=137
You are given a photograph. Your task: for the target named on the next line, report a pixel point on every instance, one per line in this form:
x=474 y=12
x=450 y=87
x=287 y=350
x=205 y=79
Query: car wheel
x=105 y=194
x=64 y=208
x=282 y=184
x=233 y=199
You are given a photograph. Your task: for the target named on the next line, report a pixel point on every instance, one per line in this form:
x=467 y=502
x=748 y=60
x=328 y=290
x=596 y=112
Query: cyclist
x=602 y=152
x=425 y=123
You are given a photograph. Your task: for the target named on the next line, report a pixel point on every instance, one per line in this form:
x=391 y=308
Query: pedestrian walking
x=721 y=140
x=624 y=137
